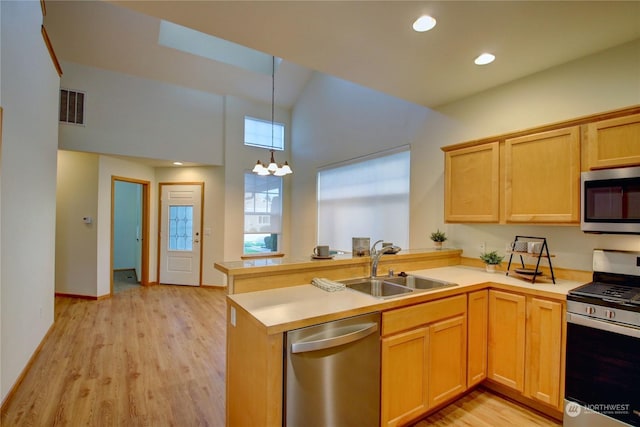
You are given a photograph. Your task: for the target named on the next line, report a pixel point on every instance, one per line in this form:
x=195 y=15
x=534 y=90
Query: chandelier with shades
x=272 y=168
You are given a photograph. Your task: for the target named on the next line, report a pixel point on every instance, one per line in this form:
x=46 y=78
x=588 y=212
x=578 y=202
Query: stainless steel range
x=602 y=382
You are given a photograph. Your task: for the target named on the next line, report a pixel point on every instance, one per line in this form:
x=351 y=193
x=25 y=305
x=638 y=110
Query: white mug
x=322 y=251
x=534 y=247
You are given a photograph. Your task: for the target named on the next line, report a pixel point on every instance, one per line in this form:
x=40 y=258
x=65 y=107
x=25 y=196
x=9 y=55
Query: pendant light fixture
x=273 y=168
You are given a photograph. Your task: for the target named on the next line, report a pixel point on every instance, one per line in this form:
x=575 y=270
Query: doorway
x=180 y=243
x=129 y=233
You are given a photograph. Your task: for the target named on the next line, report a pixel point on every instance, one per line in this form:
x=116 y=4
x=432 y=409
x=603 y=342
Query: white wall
x=29 y=86
x=76 y=242
x=132 y=116
x=336 y=120
x=602 y=82
x=213 y=221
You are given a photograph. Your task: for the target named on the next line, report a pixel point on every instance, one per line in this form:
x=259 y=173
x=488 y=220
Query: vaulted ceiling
x=370 y=43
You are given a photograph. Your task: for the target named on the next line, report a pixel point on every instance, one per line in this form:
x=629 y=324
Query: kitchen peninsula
x=267 y=273
x=481 y=325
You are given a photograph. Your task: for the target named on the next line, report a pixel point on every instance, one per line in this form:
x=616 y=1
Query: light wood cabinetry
x=526 y=338
x=423 y=357
x=534 y=178
x=404 y=376
x=507 y=316
x=533 y=175
x=544 y=351
x=447 y=370
x=254 y=372
x=472 y=184
x=614 y=142
x=477 y=332
x=542 y=177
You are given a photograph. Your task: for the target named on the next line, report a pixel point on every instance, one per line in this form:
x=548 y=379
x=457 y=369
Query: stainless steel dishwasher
x=332 y=373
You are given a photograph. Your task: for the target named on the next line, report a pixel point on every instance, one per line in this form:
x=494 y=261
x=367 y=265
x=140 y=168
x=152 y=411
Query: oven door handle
x=603 y=325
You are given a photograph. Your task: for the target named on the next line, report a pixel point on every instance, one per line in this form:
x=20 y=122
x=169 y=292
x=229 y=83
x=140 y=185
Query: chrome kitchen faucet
x=376 y=255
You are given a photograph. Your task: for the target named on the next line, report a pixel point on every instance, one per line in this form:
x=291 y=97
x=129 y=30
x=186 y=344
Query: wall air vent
x=72 y=106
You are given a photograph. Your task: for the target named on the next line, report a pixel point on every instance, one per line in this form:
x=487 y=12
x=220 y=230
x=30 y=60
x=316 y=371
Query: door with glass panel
x=180 y=234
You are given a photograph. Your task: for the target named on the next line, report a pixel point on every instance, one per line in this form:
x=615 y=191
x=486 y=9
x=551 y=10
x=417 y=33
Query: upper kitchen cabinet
x=542 y=177
x=614 y=142
x=472 y=184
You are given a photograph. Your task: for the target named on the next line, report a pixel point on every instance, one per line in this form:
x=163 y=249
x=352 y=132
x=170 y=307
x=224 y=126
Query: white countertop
x=298 y=306
x=465 y=276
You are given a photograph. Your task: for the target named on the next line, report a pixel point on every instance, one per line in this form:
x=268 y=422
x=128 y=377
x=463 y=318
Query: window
x=262 y=213
x=257 y=133
x=180 y=228
x=365 y=198
x=71 y=106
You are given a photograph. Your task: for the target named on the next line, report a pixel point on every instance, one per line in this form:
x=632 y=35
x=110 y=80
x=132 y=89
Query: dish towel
x=326 y=284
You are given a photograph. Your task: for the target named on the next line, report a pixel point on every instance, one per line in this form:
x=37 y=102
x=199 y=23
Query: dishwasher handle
x=323 y=344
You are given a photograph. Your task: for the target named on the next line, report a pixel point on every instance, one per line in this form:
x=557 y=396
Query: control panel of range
x=604 y=313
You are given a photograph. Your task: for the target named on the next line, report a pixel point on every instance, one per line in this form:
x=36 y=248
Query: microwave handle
x=603 y=325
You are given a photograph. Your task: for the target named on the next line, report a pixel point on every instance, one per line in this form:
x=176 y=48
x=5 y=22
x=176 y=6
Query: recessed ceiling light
x=424 y=23
x=177 y=163
x=484 y=59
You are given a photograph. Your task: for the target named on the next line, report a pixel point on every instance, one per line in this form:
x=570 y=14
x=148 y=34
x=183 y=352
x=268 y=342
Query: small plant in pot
x=491 y=259
x=438 y=238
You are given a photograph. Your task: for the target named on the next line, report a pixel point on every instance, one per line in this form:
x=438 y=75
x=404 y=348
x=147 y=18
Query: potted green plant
x=491 y=259
x=438 y=238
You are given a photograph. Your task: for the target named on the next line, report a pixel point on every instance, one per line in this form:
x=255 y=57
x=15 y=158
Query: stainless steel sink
x=422 y=283
x=379 y=288
x=390 y=287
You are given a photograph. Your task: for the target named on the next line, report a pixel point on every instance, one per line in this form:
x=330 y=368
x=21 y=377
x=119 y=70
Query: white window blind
x=262 y=212
x=257 y=133
x=366 y=198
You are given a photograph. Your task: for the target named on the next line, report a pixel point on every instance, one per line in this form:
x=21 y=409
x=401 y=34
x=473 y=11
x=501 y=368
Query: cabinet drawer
x=421 y=314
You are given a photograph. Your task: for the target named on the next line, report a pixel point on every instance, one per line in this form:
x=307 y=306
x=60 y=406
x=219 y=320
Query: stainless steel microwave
x=610 y=201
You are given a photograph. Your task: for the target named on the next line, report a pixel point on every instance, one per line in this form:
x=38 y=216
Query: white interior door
x=180 y=235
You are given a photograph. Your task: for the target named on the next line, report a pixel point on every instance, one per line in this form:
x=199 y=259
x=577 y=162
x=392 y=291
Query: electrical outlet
x=482 y=247
x=233 y=316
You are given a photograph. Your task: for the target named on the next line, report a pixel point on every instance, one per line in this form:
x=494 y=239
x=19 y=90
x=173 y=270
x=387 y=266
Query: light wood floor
x=145 y=357
x=156 y=357
x=481 y=408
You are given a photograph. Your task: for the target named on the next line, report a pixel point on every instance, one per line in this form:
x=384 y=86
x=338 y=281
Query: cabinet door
x=472 y=184
x=614 y=142
x=477 y=324
x=507 y=316
x=447 y=368
x=542 y=177
x=404 y=376
x=544 y=351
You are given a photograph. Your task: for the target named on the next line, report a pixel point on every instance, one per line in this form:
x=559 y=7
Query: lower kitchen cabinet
x=446 y=368
x=544 y=351
x=404 y=376
x=526 y=338
x=424 y=358
x=507 y=315
x=477 y=333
